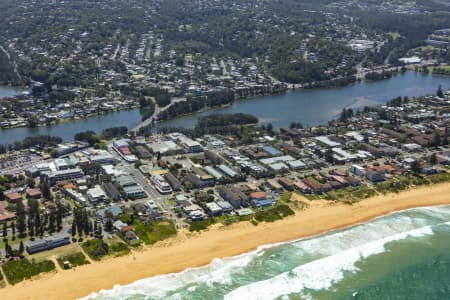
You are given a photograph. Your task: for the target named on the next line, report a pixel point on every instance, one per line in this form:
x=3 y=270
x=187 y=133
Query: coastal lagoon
x=403 y=255
x=318 y=106
x=67 y=130
x=310 y=107
x=7 y=91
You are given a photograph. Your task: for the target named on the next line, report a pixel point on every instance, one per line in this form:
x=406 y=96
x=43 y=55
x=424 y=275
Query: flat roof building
x=96 y=194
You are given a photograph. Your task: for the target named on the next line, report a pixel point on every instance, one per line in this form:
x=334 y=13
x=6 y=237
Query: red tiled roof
x=5 y=215
x=258 y=195
x=33 y=192
x=14 y=196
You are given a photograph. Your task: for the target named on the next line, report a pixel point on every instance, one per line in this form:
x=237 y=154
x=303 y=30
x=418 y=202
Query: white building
x=96 y=194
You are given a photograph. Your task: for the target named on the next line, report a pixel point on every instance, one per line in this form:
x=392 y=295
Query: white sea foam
x=440 y=212
x=361 y=234
x=319 y=274
x=334 y=254
x=218 y=271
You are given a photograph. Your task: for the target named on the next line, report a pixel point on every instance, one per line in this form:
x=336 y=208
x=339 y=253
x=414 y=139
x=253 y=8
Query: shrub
x=75 y=259
x=119 y=249
x=199 y=225
x=18 y=270
x=274 y=213
x=96 y=248
x=152 y=233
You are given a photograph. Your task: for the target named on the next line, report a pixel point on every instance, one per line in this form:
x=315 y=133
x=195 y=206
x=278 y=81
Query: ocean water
x=405 y=255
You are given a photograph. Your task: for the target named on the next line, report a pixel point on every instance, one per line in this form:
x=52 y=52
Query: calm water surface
x=311 y=107
x=6 y=91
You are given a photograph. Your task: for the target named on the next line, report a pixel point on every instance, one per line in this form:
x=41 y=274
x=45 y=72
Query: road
x=157 y=111
x=152 y=194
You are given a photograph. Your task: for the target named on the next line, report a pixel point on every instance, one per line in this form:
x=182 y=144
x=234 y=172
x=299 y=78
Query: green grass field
x=152 y=233
x=350 y=194
x=2 y=282
x=75 y=259
x=118 y=249
x=273 y=214
x=18 y=270
x=97 y=248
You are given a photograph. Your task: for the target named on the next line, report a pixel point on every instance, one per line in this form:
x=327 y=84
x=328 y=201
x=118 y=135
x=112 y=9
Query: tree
x=269 y=128
x=415 y=167
x=45 y=189
x=6 y=248
x=30 y=182
x=74 y=228
x=31 y=227
x=445 y=141
x=13 y=229
x=346 y=114
x=52 y=221
x=437 y=139
x=21 y=219
x=440 y=92
x=109 y=225
x=21 y=247
x=366 y=138
x=433 y=159
x=329 y=156
x=59 y=216
x=5 y=230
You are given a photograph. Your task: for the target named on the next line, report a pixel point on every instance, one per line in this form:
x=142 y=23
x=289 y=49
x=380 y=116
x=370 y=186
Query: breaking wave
x=276 y=270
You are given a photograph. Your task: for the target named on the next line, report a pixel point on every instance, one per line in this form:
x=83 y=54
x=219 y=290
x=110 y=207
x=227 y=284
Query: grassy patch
x=394 y=35
x=312 y=197
x=119 y=249
x=350 y=194
x=392 y=186
x=424 y=48
x=2 y=282
x=438 y=178
x=18 y=270
x=152 y=233
x=274 y=213
x=230 y=219
x=199 y=225
x=75 y=259
x=96 y=248
x=285 y=197
x=13 y=242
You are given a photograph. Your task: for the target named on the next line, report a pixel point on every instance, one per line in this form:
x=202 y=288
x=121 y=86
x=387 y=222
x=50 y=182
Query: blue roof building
x=271 y=151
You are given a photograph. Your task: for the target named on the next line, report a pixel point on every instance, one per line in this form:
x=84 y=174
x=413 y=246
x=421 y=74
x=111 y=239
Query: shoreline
x=190 y=250
x=72 y=120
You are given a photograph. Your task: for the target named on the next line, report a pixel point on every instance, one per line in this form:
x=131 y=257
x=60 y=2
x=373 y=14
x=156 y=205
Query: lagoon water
x=404 y=255
x=67 y=131
x=318 y=106
x=311 y=107
x=6 y=91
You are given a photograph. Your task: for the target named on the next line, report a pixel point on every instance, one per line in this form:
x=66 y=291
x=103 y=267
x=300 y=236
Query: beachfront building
x=161 y=184
x=213 y=209
x=47 y=243
x=96 y=194
x=234 y=196
x=173 y=181
x=52 y=177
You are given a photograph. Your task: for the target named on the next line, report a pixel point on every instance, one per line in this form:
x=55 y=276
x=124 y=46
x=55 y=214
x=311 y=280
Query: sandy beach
x=191 y=250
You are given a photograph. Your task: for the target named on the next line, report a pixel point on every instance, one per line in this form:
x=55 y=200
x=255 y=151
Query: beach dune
x=192 y=250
